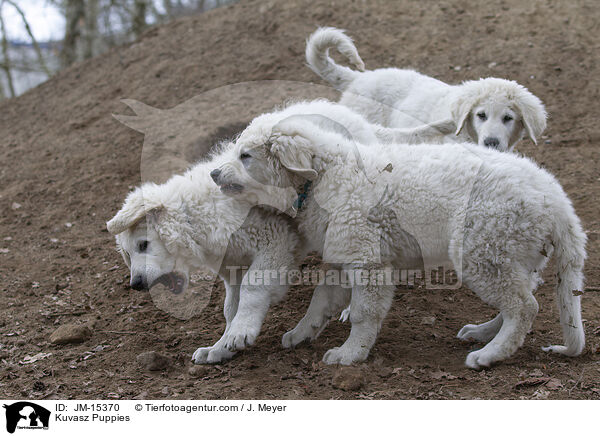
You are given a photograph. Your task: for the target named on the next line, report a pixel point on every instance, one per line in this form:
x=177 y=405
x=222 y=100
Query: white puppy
x=491 y=112
x=495 y=217
x=164 y=231
x=328 y=300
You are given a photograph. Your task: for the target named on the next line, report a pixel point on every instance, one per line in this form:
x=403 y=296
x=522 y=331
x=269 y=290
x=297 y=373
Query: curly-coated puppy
x=491 y=112
x=164 y=231
x=495 y=217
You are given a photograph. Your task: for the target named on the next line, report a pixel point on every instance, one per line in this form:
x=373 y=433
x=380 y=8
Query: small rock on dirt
x=428 y=320
x=70 y=334
x=198 y=371
x=152 y=361
x=348 y=379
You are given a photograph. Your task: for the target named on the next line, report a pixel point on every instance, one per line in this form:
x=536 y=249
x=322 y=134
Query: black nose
x=215 y=174
x=138 y=283
x=491 y=142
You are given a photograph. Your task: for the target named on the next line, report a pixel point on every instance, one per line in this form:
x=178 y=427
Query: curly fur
x=493 y=216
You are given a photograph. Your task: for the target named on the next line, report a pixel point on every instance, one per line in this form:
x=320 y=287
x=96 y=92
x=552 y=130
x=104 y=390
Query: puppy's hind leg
x=326 y=302
x=369 y=306
x=481 y=332
x=512 y=293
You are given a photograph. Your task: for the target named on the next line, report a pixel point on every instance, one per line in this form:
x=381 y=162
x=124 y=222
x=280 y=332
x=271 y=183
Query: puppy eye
x=143 y=246
x=482 y=116
x=245 y=156
x=507 y=118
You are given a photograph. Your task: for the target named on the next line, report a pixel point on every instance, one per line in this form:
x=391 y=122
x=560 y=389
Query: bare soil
x=67 y=165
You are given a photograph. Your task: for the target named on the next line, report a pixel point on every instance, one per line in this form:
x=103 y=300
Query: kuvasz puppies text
x=495 y=217
x=164 y=231
x=491 y=112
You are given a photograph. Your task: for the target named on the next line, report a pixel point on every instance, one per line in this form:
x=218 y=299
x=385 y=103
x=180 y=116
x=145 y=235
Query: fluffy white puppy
x=328 y=300
x=164 y=231
x=495 y=217
x=491 y=112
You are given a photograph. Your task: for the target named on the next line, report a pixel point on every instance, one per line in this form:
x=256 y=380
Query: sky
x=45 y=20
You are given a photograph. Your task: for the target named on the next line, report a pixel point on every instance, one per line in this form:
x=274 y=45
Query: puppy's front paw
x=345 y=356
x=558 y=349
x=304 y=331
x=218 y=355
x=239 y=340
x=475 y=332
x=212 y=354
x=200 y=355
x=479 y=359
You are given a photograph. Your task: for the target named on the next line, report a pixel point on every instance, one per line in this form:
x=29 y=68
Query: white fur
x=404 y=98
x=494 y=217
x=189 y=223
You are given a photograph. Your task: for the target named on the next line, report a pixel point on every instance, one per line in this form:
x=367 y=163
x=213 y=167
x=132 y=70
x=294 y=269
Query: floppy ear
x=461 y=109
x=293 y=149
x=294 y=156
x=533 y=114
x=136 y=207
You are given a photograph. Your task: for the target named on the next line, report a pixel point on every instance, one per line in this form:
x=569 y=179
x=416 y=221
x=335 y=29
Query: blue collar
x=302 y=195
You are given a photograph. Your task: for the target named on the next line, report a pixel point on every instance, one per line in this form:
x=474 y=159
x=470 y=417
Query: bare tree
x=91 y=28
x=138 y=22
x=34 y=42
x=6 y=64
x=75 y=15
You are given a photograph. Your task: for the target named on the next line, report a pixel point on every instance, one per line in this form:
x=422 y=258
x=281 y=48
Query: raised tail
x=317 y=56
x=569 y=241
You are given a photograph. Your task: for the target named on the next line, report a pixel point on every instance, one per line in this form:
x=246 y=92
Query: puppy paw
x=473 y=332
x=304 y=331
x=558 y=349
x=218 y=355
x=479 y=359
x=214 y=354
x=345 y=356
x=291 y=339
x=200 y=355
x=236 y=341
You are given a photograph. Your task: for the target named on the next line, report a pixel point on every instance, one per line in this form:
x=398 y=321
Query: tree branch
x=36 y=47
x=6 y=66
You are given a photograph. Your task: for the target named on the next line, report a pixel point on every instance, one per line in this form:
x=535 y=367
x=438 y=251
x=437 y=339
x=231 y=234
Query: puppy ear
x=533 y=114
x=136 y=206
x=461 y=109
x=293 y=149
x=294 y=157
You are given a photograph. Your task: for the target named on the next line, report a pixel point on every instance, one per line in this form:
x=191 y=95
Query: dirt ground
x=67 y=165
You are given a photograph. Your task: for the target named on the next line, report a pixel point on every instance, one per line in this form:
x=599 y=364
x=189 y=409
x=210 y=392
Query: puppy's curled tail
x=569 y=240
x=317 y=56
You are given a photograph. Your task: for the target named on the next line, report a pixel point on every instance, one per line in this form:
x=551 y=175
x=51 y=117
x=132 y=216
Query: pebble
x=152 y=361
x=348 y=379
x=198 y=371
x=428 y=320
x=70 y=334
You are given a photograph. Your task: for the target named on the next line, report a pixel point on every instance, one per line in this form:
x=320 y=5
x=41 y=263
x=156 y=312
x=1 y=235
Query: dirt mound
x=67 y=165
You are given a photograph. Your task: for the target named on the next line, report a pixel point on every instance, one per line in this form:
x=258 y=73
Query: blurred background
x=39 y=37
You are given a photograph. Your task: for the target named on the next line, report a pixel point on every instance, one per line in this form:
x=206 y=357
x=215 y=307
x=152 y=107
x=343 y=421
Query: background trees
x=90 y=28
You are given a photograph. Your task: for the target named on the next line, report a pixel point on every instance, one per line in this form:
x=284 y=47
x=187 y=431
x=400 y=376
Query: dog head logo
x=26 y=415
